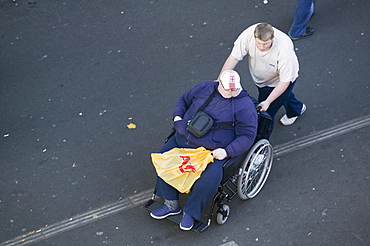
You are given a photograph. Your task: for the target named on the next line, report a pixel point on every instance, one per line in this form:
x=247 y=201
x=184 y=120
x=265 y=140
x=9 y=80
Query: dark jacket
x=238 y=110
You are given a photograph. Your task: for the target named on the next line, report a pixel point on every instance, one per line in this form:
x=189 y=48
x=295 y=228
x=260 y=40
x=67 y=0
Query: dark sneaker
x=187 y=222
x=164 y=211
x=307 y=34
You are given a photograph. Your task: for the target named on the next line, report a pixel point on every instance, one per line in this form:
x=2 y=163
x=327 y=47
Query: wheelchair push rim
x=255 y=169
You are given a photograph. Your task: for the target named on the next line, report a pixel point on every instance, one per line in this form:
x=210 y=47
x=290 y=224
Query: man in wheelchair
x=233 y=133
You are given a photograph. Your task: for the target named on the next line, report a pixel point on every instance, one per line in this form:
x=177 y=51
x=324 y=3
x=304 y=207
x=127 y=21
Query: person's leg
x=293 y=106
x=204 y=189
x=274 y=107
x=166 y=191
x=303 y=13
x=163 y=189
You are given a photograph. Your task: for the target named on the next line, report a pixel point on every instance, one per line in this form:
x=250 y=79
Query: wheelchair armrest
x=173 y=131
x=227 y=161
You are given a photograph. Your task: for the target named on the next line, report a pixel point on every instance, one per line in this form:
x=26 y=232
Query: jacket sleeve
x=184 y=102
x=245 y=130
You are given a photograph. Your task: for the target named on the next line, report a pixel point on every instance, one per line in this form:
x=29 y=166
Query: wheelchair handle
x=258 y=108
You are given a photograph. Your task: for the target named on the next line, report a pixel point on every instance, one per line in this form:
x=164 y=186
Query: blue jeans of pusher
x=302 y=15
x=292 y=106
x=203 y=189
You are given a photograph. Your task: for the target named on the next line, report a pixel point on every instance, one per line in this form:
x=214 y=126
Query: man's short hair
x=264 y=32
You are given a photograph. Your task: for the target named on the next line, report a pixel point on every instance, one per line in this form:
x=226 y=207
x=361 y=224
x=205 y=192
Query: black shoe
x=307 y=34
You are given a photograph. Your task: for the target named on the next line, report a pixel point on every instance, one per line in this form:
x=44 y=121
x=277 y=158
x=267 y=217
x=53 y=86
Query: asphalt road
x=74 y=74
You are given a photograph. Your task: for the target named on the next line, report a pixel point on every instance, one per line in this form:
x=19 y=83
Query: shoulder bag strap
x=208 y=100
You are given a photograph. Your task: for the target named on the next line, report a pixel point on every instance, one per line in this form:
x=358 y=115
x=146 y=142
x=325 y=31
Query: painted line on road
x=142 y=197
x=322 y=135
x=80 y=220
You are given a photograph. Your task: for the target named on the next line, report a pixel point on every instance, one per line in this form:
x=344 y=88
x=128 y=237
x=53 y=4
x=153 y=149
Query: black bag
x=201 y=122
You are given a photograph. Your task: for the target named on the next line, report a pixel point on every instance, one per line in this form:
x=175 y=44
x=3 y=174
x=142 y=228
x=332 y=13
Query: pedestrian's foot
x=164 y=212
x=187 y=222
x=288 y=121
x=307 y=34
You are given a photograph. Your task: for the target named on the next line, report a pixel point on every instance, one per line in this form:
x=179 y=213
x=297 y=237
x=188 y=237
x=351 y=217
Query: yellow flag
x=181 y=167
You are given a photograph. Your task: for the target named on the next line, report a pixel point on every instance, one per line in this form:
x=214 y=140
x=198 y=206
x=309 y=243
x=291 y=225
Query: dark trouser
x=203 y=189
x=292 y=106
x=303 y=13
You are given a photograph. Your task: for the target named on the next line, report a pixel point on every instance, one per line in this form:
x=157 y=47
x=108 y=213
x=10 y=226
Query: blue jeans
x=203 y=189
x=292 y=106
x=303 y=13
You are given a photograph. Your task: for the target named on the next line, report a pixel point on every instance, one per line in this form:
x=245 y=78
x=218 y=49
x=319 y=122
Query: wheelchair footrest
x=198 y=225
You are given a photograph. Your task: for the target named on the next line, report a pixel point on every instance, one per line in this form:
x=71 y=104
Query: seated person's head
x=229 y=84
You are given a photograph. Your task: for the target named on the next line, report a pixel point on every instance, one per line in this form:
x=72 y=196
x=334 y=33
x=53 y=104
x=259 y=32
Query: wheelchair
x=244 y=178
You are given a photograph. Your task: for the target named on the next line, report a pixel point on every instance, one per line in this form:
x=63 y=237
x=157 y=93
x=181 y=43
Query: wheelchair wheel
x=223 y=214
x=255 y=169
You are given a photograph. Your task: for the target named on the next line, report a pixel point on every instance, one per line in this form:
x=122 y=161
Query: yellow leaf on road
x=131 y=126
